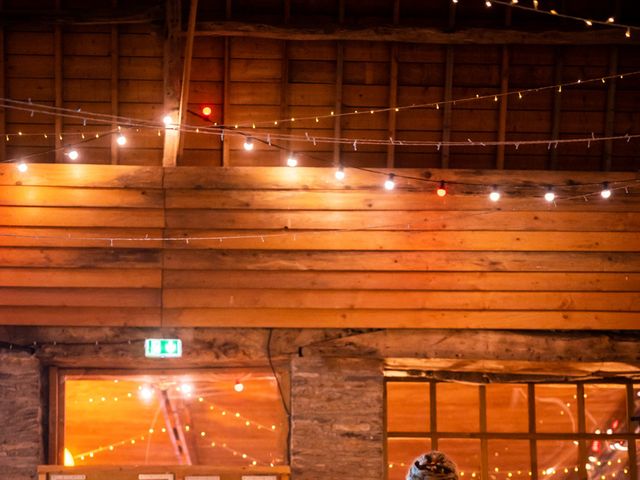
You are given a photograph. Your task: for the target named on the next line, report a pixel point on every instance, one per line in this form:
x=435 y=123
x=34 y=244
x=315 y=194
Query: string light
x=549 y=196
x=494 y=196
x=340 y=173
x=442 y=189
x=238 y=386
x=248 y=144
x=121 y=140
x=167 y=120
x=292 y=161
x=606 y=191
x=22 y=167
x=390 y=183
x=487 y=3
x=73 y=154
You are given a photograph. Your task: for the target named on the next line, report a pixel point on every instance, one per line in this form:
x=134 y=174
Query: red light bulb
x=206 y=111
x=441 y=191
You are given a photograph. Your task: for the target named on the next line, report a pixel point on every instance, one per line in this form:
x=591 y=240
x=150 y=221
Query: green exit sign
x=162 y=348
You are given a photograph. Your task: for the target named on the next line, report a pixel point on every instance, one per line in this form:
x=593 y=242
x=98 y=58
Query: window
x=523 y=431
x=202 y=417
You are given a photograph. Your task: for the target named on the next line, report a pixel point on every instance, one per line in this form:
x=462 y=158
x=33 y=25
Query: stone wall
x=21 y=434
x=336 y=424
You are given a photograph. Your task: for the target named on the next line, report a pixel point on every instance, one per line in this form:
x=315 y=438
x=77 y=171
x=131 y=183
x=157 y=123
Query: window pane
x=401 y=452
x=131 y=419
x=556 y=408
x=605 y=408
x=465 y=453
x=457 y=407
x=608 y=458
x=407 y=406
x=558 y=460
x=507 y=409
x=509 y=458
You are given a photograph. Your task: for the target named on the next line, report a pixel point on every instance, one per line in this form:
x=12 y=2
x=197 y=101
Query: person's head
x=433 y=465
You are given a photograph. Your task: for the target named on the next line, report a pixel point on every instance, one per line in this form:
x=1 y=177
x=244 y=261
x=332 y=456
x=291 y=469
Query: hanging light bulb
x=628 y=33
x=73 y=154
x=340 y=173
x=146 y=393
x=442 y=189
x=121 y=140
x=167 y=120
x=206 y=110
x=248 y=144
x=22 y=167
x=68 y=459
x=535 y=4
x=389 y=183
x=550 y=196
x=488 y=3
x=494 y=196
x=239 y=386
x=606 y=191
x=292 y=161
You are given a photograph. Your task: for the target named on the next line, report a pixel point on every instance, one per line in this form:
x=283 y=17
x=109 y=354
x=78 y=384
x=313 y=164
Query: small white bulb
x=73 y=155
x=121 y=140
x=248 y=144
x=292 y=161
x=606 y=191
x=23 y=167
x=389 y=183
x=494 y=196
x=146 y=393
x=340 y=173
x=239 y=386
x=549 y=196
x=167 y=120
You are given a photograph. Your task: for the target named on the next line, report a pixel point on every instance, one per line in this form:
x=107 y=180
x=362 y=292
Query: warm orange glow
x=206 y=111
x=68 y=459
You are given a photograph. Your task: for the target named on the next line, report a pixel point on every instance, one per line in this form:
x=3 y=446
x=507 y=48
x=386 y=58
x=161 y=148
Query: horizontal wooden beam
x=406 y=34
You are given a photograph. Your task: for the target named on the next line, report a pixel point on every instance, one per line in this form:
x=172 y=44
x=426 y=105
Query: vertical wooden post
x=115 y=65
x=57 y=87
x=172 y=73
x=557 y=109
x=533 y=445
x=285 y=127
x=484 y=443
x=225 y=89
x=186 y=75
x=393 y=90
x=448 y=93
x=582 y=428
x=337 y=126
x=3 y=92
x=502 y=113
x=56 y=428
x=610 y=113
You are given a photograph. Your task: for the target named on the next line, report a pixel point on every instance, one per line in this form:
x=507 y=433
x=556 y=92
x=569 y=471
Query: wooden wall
x=120 y=69
x=82 y=245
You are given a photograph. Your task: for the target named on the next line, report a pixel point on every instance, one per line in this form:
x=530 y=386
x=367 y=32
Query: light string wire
x=249 y=130
x=554 y=13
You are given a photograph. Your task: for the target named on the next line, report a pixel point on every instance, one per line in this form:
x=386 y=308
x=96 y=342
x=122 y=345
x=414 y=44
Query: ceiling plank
x=390 y=33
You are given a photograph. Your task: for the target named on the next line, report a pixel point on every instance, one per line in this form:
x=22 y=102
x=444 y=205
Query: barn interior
x=375 y=228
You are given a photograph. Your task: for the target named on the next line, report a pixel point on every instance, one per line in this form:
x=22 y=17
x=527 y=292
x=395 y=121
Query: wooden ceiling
x=259 y=61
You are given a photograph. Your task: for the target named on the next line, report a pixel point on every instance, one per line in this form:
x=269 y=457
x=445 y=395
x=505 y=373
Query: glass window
x=457 y=407
x=507 y=408
x=401 y=452
x=605 y=408
x=509 y=458
x=408 y=406
x=556 y=408
x=200 y=418
x=465 y=453
x=558 y=460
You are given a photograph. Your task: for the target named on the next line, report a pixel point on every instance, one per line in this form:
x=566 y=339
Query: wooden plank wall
x=295 y=248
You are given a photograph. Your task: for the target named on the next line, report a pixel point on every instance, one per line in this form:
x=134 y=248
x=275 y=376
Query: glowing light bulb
x=389 y=183
x=442 y=190
x=248 y=144
x=22 y=167
x=550 y=196
x=611 y=19
x=292 y=161
x=589 y=23
x=535 y=4
x=628 y=33
x=73 y=154
x=340 y=173
x=121 y=140
x=494 y=196
x=454 y=1
x=606 y=191
x=186 y=388
x=167 y=120
x=206 y=110
x=146 y=393
x=488 y=3
x=239 y=386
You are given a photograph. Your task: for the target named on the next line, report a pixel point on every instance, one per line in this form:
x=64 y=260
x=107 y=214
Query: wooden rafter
x=171 y=79
x=57 y=80
x=607 y=148
x=3 y=93
x=390 y=33
x=186 y=72
x=115 y=67
x=556 y=110
x=337 y=121
x=504 y=99
x=285 y=127
x=393 y=90
x=225 y=148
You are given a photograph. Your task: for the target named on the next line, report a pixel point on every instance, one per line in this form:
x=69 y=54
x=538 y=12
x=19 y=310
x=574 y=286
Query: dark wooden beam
x=393 y=90
x=504 y=99
x=390 y=33
x=448 y=92
x=337 y=121
x=285 y=127
x=114 y=85
x=172 y=72
x=3 y=92
x=226 y=85
x=57 y=87
x=556 y=110
x=610 y=113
